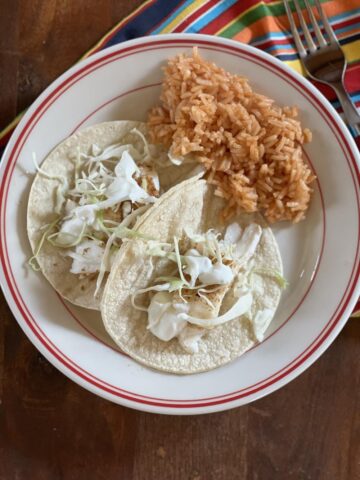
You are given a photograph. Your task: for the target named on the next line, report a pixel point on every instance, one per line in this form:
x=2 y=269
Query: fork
x=324 y=61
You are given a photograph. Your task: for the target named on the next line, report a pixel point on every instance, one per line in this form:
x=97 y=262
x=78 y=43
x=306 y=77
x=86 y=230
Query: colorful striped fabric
x=262 y=24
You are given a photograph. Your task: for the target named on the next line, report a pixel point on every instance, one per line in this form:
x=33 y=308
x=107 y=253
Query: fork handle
x=351 y=114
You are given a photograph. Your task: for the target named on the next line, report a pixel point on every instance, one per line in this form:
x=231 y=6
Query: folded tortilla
x=42 y=202
x=192 y=205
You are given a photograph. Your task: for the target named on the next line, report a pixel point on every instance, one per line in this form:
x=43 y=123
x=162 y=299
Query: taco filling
x=187 y=304
x=110 y=189
x=191 y=293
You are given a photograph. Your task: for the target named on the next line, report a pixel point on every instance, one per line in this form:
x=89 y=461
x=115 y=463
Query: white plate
x=321 y=254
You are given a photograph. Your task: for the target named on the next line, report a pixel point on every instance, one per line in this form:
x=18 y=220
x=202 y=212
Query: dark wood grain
x=51 y=429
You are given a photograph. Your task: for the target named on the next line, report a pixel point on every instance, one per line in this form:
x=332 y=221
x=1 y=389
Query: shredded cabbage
x=73 y=240
x=122 y=232
x=207 y=251
x=211 y=263
x=33 y=260
x=156 y=288
x=146 y=145
x=282 y=282
x=174 y=283
x=239 y=308
x=61 y=190
x=103 y=179
x=205 y=298
x=178 y=261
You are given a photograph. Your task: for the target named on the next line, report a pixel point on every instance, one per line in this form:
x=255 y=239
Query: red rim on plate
x=30 y=325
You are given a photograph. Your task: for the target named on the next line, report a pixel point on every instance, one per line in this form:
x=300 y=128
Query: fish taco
x=87 y=196
x=192 y=293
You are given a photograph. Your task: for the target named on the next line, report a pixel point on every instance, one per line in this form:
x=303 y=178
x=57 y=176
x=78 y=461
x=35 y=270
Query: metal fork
x=324 y=61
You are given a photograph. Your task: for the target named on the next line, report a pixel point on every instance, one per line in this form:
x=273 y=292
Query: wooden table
x=52 y=429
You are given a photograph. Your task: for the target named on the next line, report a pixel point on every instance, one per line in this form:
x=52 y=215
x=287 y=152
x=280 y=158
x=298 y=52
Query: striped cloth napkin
x=262 y=24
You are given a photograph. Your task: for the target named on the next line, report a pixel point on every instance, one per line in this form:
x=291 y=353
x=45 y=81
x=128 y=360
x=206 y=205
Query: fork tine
x=319 y=35
x=299 y=45
x=326 y=23
x=311 y=45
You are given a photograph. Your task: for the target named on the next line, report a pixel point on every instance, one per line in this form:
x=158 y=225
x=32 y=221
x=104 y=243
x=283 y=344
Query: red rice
x=250 y=147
